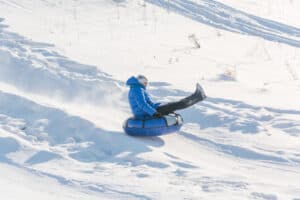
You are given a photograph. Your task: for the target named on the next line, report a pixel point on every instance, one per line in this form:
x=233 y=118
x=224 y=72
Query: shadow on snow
x=83 y=141
x=43 y=123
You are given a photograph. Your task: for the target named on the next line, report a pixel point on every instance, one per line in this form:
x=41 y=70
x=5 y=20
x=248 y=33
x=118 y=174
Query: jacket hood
x=133 y=81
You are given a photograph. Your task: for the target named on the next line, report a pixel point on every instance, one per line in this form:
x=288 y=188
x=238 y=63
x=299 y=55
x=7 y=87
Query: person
x=143 y=107
x=140 y=103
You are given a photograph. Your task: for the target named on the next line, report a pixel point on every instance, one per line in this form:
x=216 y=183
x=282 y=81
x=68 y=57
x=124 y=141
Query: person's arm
x=142 y=102
x=154 y=105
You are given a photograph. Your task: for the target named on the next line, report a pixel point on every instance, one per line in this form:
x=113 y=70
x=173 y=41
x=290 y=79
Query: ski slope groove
x=221 y=16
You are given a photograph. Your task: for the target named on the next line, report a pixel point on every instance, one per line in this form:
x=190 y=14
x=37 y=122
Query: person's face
x=144 y=82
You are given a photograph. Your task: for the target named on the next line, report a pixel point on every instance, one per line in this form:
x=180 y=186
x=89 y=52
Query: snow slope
x=63 y=65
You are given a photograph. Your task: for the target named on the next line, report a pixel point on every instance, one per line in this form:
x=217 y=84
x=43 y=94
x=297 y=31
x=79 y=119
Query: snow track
x=37 y=68
x=219 y=15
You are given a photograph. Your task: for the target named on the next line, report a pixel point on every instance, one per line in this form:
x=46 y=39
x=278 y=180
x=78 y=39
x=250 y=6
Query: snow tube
x=153 y=126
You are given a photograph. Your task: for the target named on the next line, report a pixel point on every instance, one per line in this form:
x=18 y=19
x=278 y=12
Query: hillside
x=63 y=99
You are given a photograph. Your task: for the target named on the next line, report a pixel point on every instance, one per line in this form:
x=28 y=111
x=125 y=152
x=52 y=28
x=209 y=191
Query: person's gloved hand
x=157 y=115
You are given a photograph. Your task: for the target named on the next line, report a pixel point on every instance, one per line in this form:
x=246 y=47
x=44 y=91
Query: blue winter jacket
x=139 y=100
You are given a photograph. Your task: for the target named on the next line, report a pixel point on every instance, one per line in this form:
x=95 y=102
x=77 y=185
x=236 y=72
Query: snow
x=17 y=183
x=63 y=100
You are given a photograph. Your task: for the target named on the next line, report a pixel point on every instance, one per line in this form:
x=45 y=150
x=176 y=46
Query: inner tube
x=153 y=126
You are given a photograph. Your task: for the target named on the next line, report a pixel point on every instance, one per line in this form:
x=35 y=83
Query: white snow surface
x=63 y=99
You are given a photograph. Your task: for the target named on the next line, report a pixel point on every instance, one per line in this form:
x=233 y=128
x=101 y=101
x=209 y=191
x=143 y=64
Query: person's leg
x=197 y=96
x=178 y=105
x=168 y=108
